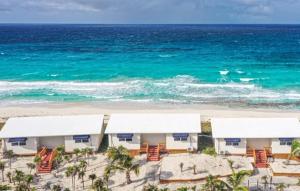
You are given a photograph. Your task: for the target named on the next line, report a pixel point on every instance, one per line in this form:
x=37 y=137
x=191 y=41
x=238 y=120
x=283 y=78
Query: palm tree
x=8 y=175
x=81 y=175
x=125 y=164
x=88 y=152
x=56 y=187
x=295 y=150
x=4 y=187
x=265 y=181
x=31 y=166
x=37 y=161
x=82 y=169
x=10 y=155
x=181 y=166
x=99 y=185
x=77 y=153
x=280 y=187
x=213 y=184
x=2 y=168
x=28 y=179
x=18 y=176
x=72 y=171
x=236 y=178
x=116 y=153
x=92 y=177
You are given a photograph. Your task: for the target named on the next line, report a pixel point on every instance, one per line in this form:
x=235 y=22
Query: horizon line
x=50 y=23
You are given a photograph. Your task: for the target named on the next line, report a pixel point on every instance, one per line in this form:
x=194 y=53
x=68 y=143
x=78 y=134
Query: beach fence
x=268 y=185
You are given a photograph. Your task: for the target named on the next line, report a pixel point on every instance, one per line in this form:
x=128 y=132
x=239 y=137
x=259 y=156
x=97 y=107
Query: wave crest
x=182 y=88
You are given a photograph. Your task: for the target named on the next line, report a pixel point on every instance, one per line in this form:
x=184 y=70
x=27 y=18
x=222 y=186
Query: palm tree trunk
x=82 y=182
x=128 y=179
x=2 y=175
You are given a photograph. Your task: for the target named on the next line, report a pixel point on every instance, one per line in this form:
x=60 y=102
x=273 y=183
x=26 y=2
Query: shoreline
x=206 y=111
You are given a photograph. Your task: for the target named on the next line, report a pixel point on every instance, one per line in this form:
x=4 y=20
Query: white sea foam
x=239 y=71
x=166 y=55
x=182 y=88
x=224 y=72
x=246 y=79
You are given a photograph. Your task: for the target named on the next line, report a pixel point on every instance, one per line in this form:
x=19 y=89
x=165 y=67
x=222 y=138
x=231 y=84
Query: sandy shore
x=207 y=111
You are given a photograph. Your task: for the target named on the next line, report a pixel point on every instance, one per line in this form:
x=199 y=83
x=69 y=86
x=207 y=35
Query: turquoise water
x=251 y=65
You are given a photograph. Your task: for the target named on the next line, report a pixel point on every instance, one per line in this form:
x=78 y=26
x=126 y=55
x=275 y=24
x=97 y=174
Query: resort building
x=252 y=136
x=27 y=135
x=154 y=133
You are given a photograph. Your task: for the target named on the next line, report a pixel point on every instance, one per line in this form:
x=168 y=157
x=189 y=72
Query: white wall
x=191 y=141
x=28 y=149
x=70 y=144
x=133 y=145
x=280 y=149
x=221 y=147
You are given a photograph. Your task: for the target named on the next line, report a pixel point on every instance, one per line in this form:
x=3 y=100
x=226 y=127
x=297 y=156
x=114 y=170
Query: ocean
x=233 y=65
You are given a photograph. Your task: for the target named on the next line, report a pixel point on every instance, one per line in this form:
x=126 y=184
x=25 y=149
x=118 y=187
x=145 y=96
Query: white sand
x=207 y=111
x=280 y=166
x=205 y=165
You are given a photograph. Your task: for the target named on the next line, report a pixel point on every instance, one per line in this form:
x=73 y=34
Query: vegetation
x=181 y=166
x=236 y=178
x=295 y=150
x=210 y=151
x=214 y=184
x=2 y=168
x=72 y=171
x=92 y=177
x=4 y=187
x=10 y=155
x=120 y=160
x=31 y=166
x=280 y=187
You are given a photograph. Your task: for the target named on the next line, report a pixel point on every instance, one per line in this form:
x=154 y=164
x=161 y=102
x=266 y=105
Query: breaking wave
x=179 y=89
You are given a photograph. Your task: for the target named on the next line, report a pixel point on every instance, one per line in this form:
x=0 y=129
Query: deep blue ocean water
x=255 y=65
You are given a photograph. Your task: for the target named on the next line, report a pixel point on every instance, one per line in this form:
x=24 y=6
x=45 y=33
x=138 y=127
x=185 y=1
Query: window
x=286 y=141
x=232 y=141
x=18 y=141
x=126 y=137
x=180 y=136
x=232 y=144
x=81 y=138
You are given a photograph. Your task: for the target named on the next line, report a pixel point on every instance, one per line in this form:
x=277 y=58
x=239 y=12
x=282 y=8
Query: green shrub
x=209 y=151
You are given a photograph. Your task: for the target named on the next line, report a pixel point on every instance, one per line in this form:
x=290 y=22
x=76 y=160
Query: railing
x=162 y=147
x=268 y=151
x=158 y=151
x=249 y=152
x=42 y=152
x=254 y=156
x=144 y=148
x=52 y=157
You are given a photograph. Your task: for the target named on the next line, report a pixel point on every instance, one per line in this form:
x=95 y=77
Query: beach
x=206 y=111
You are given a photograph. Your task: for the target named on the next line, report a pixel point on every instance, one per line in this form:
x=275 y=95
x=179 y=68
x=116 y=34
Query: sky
x=151 y=11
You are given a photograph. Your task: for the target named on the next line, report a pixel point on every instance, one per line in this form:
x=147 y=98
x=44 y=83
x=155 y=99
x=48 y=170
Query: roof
x=154 y=123
x=255 y=127
x=52 y=126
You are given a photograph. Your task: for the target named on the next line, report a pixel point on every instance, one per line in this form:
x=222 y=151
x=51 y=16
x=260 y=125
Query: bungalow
x=27 y=135
x=150 y=132
x=241 y=136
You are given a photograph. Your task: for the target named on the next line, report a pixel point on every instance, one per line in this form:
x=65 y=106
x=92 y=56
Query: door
x=258 y=143
x=153 y=139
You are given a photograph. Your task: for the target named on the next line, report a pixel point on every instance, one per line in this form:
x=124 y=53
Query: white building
x=26 y=135
x=176 y=132
x=239 y=135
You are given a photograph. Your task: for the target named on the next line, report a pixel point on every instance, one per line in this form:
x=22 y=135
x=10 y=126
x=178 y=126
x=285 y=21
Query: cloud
x=149 y=11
